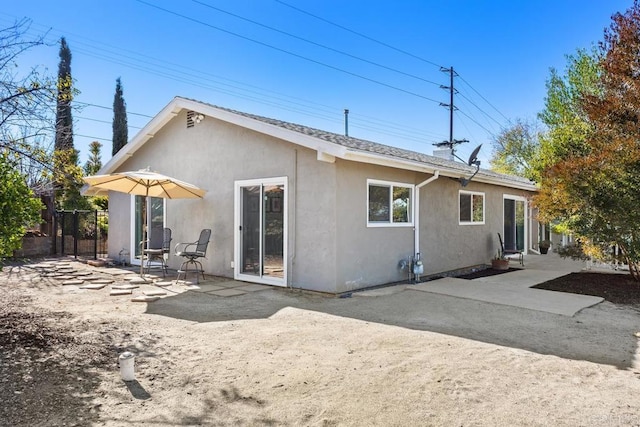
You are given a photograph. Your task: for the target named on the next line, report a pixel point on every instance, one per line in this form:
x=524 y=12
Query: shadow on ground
x=594 y=334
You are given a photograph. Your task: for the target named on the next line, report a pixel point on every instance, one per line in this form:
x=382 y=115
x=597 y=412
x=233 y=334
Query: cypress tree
x=120 y=130
x=64 y=119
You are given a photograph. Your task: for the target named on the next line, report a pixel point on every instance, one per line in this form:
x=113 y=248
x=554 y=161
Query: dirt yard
x=283 y=357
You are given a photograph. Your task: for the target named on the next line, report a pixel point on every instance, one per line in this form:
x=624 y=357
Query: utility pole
x=451 y=142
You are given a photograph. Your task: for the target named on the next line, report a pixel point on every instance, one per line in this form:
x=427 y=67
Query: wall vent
x=190 y=119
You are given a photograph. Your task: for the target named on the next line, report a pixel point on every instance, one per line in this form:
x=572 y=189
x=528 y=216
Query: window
x=471 y=207
x=389 y=204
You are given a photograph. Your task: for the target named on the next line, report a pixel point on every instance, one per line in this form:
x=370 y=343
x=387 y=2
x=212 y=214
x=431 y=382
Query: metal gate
x=81 y=233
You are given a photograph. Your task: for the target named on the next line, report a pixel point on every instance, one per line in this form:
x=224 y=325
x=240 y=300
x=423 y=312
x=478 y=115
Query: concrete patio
x=512 y=288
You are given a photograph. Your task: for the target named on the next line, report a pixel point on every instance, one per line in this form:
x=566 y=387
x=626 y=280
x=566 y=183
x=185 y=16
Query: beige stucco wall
x=213 y=155
x=367 y=256
x=447 y=245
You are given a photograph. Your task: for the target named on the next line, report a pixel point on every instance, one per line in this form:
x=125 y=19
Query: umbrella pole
x=144 y=234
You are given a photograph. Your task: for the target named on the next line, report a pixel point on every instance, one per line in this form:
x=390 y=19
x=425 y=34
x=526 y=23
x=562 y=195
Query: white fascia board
x=379 y=159
x=143 y=135
x=324 y=148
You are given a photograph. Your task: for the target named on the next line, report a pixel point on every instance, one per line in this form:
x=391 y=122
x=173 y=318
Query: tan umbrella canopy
x=144 y=183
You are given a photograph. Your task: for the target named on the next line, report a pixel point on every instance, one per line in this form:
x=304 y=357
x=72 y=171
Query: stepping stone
x=92 y=278
x=117 y=271
x=93 y=286
x=163 y=284
x=72 y=282
x=145 y=298
x=139 y=280
x=96 y=263
x=124 y=287
x=40 y=265
x=120 y=292
x=101 y=281
x=54 y=274
x=65 y=277
x=82 y=273
x=154 y=293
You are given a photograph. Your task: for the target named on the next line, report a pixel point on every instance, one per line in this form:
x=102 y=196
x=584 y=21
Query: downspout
x=416 y=217
x=293 y=226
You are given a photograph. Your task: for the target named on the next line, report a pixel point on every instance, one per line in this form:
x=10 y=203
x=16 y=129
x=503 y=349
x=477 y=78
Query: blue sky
x=306 y=61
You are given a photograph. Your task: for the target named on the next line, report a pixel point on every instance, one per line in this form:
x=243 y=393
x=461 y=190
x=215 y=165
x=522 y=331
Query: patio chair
x=158 y=249
x=192 y=252
x=511 y=251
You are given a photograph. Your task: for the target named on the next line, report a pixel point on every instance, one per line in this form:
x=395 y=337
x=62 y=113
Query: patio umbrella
x=144 y=183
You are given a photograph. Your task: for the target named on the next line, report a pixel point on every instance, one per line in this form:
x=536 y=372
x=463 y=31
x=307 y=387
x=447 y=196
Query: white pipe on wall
x=416 y=210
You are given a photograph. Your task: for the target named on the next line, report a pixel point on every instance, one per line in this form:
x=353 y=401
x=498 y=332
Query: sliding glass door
x=154 y=209
x=514 y=230
x=261 y=231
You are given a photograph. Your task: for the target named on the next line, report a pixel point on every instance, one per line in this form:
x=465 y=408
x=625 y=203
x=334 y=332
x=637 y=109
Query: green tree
x=18 y=205
x=26 y=104
x=67 y=172
x=64 y=117
x=120 y=128
x=592 y=184
x=93 y=164
x=516 y=151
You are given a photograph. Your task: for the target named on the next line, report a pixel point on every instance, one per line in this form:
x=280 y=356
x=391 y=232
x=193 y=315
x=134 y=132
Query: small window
x=471 y=208
x=389 y=203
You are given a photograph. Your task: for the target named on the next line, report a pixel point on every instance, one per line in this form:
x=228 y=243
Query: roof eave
x=382 y=160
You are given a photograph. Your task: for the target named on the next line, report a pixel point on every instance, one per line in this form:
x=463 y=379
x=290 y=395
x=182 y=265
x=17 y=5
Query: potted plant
x=544 y=246
x=500 y=262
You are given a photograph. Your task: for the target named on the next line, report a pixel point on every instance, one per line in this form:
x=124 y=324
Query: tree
x=91 y=167
x=516 y=150
x=26 y=109
x=93 y=164
x=18 y=205
x=120 y=128
x=64 y=118
x=67 y=173
x=593 y=184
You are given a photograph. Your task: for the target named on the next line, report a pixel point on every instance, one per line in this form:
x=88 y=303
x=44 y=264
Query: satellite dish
x=473 y=161
x=473 y=158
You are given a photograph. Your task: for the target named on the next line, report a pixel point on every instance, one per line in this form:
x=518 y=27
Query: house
x=293 y=206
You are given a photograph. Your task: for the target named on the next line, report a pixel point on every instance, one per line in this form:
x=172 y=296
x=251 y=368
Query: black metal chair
x=157 y=250
x=511 y=251
x=192 y=252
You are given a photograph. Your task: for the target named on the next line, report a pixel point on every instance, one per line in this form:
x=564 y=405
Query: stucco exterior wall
x=119 y=225
x=446 y=244
x=367 y=256
x=213 y=155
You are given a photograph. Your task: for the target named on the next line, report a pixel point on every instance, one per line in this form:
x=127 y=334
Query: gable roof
x=328 y=145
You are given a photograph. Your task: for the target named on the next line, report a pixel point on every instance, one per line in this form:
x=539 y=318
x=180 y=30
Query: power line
x=361 y=123
x=109 y=108
x=484 y=99
x=316 y=44
x=104 y=121
x=360 y=34
x=289 y=52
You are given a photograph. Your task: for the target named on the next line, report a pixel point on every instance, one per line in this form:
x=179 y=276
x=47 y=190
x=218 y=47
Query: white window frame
x=391 y=184
x=484 y=214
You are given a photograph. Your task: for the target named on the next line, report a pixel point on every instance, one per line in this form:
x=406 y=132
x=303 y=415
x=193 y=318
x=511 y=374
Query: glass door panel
x=261 y=216
x=273 y=248
x=250 y=230
x=154 y=210
x=514 y=224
